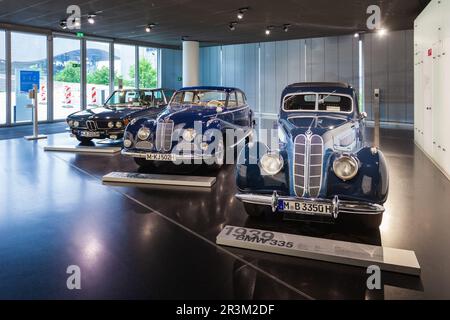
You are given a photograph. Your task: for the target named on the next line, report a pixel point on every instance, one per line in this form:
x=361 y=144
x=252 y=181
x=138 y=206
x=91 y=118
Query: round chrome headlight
x=110 y=124
x=119 y=124
x=345 y=167
x=271 y=163
x=143 y=133
x=189 y=134
x=76 y=124
x=127 y=143
x=70 y=123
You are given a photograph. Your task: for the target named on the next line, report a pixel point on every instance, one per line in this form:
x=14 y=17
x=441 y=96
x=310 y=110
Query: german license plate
x=160 y=157
x=303 y=207
x=90 y=134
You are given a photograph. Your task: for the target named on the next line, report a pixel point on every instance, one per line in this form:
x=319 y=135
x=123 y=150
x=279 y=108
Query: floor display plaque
x=355 y=254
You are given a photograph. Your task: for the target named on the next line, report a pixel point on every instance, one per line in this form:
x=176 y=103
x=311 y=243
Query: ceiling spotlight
x=76 y=22
x=232 y=26
x=268 y=30
x=91 y=18
x=356 y=35
x=149 y=27
x=382 y=32
x=63 y=24
x=286 y=27
x=241 y=12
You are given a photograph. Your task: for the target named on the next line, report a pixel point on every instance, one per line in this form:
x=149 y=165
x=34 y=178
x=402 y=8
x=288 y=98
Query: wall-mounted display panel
x=28 y=67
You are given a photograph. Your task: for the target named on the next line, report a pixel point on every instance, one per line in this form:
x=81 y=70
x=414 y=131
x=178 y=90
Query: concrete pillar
x=191 y=59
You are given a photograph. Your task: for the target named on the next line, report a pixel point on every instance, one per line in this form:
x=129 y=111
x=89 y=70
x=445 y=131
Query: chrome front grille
x=91 y=125
x=163 y=139
x=308 y=163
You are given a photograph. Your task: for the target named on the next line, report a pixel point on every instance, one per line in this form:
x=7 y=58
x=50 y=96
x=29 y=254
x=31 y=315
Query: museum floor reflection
x=158 y=237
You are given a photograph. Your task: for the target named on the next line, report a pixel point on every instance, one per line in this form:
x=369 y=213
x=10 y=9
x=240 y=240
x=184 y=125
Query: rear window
x=318 y=102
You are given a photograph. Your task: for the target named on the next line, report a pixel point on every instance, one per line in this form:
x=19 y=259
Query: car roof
x=319 y=84
x=338 y=87
x=212 y=88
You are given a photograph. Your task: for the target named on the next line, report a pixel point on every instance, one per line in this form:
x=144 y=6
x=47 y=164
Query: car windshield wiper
x=322 y=101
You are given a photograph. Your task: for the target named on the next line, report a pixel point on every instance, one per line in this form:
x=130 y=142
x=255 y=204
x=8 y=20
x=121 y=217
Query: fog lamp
x=127 y=143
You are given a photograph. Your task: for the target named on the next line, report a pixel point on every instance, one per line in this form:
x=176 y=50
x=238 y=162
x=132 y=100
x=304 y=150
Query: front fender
x=370 y=184
x=251 y=179
x=133 y=127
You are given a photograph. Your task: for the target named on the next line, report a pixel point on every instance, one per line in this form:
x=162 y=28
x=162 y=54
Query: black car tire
x=372 y=221
x=84 y=140
x=368 y=222
x=141 y=162
x=256 y=211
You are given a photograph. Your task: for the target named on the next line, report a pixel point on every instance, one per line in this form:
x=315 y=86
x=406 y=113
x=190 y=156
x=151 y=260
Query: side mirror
x=363 y=115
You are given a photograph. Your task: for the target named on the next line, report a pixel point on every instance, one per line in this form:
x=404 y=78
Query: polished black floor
x=27 y=130
x=157 y=243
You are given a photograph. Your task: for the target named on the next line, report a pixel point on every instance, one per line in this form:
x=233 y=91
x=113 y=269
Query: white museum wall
x=431 y=78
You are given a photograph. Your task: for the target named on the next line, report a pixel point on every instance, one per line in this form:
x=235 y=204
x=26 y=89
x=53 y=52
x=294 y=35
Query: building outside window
x=66 y=77
x=67 y=73
x=2 y=78
x=97 y=73
x=124 y=65
x=148 y=67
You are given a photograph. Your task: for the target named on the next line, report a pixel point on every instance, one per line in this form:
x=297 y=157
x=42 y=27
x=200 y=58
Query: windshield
x=204 y=98
x=133 y=98
x=329 y=102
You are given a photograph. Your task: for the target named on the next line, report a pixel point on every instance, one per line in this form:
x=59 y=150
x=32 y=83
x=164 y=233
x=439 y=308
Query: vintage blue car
x=193 y=129
x=321 y=169
x=110 y=120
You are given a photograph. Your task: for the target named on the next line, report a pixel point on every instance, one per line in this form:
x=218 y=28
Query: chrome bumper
x=143 y=154
x=338 y=206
